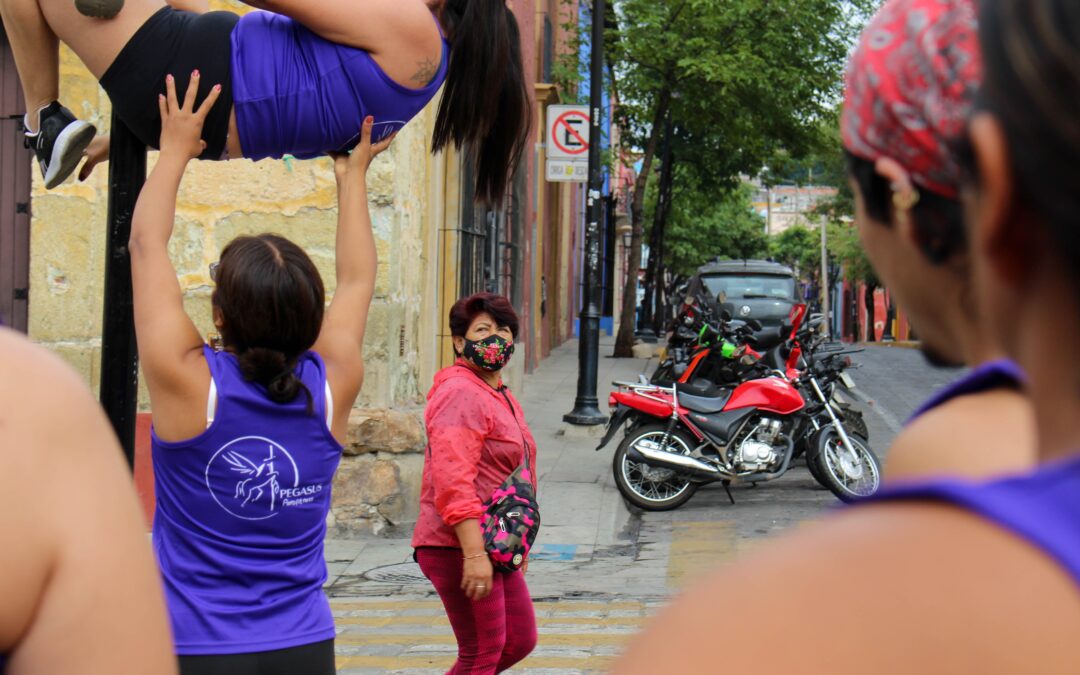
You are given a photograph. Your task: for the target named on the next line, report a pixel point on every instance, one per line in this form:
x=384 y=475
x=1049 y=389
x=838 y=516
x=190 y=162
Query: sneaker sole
x=67 y=152
x=99 y=9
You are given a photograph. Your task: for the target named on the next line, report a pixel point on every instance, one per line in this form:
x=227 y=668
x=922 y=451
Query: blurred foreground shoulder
x=884 y=588
x=80 y=586
x=979 y=435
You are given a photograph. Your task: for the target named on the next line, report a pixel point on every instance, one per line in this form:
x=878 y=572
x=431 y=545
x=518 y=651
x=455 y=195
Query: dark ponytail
x=485 y=104
x=270 y=297
x=273 y=370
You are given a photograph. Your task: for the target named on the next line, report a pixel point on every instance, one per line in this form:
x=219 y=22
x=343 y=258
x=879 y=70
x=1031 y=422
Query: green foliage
x=705 y=225
x=845 y=246
x=798 y=247
x=566 y=67
x=825 y=165
x=742 y=81
x=747 y=76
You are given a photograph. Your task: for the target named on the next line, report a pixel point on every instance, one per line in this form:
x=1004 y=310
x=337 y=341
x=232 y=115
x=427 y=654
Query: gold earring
x=903 y=202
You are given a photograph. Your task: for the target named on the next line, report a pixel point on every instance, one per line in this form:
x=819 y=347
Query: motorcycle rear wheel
x=847 y=480
x=648 y=487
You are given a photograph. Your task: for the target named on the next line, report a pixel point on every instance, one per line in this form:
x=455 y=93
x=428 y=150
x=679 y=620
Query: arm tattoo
x=426 y=73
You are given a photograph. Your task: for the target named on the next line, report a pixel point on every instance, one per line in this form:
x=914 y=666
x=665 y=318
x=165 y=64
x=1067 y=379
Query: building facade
x=434 y=246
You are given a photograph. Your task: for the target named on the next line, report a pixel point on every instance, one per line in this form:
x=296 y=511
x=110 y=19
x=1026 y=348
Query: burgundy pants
x=492 y=634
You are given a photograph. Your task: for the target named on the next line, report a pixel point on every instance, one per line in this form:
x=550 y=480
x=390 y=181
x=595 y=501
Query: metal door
x=15 y=167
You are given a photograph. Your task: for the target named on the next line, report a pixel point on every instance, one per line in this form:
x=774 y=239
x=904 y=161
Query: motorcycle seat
x=690 y=398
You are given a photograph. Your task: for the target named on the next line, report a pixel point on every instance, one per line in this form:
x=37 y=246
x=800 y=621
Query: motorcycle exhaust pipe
x=671 y=460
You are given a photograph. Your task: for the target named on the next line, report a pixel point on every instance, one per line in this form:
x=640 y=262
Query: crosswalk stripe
x=441 y=620
x=546 y=639
x=444 y=662
x=697 y=547
x=573 y=606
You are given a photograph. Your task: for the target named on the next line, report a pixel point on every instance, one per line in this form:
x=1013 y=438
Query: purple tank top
x=1001 y=373
x=296 y=93
x=241 y=518
x=1042 y=507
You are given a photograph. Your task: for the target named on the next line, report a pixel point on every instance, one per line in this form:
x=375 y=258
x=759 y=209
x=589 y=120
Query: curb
x=897 y=344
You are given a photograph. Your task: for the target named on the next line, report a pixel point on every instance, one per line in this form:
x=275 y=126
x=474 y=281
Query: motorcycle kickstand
x=726 y=483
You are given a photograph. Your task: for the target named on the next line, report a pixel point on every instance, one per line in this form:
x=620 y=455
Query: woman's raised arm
x=169 y=343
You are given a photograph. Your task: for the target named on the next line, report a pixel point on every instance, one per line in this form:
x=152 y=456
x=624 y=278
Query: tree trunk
x=869 y=301
x=624 y=342
x=650 y=310
x=663 y=210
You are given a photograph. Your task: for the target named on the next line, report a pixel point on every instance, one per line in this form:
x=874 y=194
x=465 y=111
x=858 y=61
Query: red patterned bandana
x=910 y=86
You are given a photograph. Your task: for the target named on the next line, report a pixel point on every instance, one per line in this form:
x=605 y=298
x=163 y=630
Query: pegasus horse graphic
x=263 y=475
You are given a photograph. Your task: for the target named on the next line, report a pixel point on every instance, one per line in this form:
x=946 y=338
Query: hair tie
x=279 y=376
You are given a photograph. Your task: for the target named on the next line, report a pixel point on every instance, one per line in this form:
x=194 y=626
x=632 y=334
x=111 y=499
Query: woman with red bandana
x=950 y=575
x=477 y=437
x=911 y=86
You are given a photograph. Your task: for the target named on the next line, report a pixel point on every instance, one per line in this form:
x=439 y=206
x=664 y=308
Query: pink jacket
x=474 y=443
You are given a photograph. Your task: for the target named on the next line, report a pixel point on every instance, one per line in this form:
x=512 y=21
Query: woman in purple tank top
x=297 y=79
x=247 y=436
x=952 y=576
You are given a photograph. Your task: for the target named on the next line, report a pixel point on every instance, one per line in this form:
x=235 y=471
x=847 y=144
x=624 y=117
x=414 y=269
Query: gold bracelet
x=470 y=557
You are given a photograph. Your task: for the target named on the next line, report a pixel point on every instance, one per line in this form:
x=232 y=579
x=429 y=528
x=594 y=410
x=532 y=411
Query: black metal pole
x=119 y=356
x=586 y=406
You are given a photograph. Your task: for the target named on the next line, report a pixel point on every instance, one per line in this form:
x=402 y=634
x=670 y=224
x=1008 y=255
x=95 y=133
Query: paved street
x=598 y=570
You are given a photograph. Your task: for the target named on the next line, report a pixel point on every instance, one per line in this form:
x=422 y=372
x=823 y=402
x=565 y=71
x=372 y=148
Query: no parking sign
x=567 y=143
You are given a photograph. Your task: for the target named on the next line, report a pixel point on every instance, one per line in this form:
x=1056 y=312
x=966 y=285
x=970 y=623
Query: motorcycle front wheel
x=653 y=488
x=848 y=477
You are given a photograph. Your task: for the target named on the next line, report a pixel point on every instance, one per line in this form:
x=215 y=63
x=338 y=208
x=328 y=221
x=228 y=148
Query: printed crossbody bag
x=511 y=515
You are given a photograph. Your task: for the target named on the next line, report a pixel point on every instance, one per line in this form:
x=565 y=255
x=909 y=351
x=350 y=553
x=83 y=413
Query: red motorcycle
x=681 y=437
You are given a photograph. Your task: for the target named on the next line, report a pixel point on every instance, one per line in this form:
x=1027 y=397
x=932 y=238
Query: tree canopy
x=739 y=81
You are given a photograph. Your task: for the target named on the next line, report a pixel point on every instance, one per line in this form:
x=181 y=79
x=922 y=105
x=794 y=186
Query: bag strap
x=524 y=442
x=502 y=390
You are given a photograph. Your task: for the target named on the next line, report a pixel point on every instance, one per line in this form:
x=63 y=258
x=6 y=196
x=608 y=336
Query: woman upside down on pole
x=297 y=79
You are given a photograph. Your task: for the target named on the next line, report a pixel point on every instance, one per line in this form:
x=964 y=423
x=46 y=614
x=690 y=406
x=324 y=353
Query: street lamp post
x=586 y=406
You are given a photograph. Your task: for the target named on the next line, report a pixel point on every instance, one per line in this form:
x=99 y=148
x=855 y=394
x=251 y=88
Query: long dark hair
x=271 y=300
x=485 y=104
x=1031 y=50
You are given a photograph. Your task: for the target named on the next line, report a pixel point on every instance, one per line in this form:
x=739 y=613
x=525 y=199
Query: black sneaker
x=59 y=143
x=99 y=9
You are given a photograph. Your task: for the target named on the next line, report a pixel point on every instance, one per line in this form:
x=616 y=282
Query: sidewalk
x=582 y=546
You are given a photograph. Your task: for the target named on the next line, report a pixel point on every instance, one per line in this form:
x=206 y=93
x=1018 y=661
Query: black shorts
x=174 y=42
x=313 y=659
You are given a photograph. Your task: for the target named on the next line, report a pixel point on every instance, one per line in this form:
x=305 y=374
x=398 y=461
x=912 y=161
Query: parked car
x=751 y=289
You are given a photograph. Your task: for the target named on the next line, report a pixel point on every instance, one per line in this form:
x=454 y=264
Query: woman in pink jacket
x=477 y=436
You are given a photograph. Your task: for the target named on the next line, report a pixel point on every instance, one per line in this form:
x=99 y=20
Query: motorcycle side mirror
x=754 y=325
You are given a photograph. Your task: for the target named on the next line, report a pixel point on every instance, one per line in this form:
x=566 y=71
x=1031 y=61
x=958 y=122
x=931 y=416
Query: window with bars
x=491 y=258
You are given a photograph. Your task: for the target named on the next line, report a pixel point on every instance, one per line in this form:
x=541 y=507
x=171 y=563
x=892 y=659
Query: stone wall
x=377 y=486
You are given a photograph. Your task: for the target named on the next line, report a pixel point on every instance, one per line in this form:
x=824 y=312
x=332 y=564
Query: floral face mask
x=490 y=354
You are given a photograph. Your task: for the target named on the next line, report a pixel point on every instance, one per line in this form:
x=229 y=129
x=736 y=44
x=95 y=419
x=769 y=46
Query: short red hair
x=465 y=311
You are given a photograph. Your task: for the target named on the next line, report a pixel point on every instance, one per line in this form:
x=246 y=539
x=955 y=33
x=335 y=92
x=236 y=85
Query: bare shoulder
x=907 y=588
x=75 y=544
x=35 y=386
x=986 y=434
